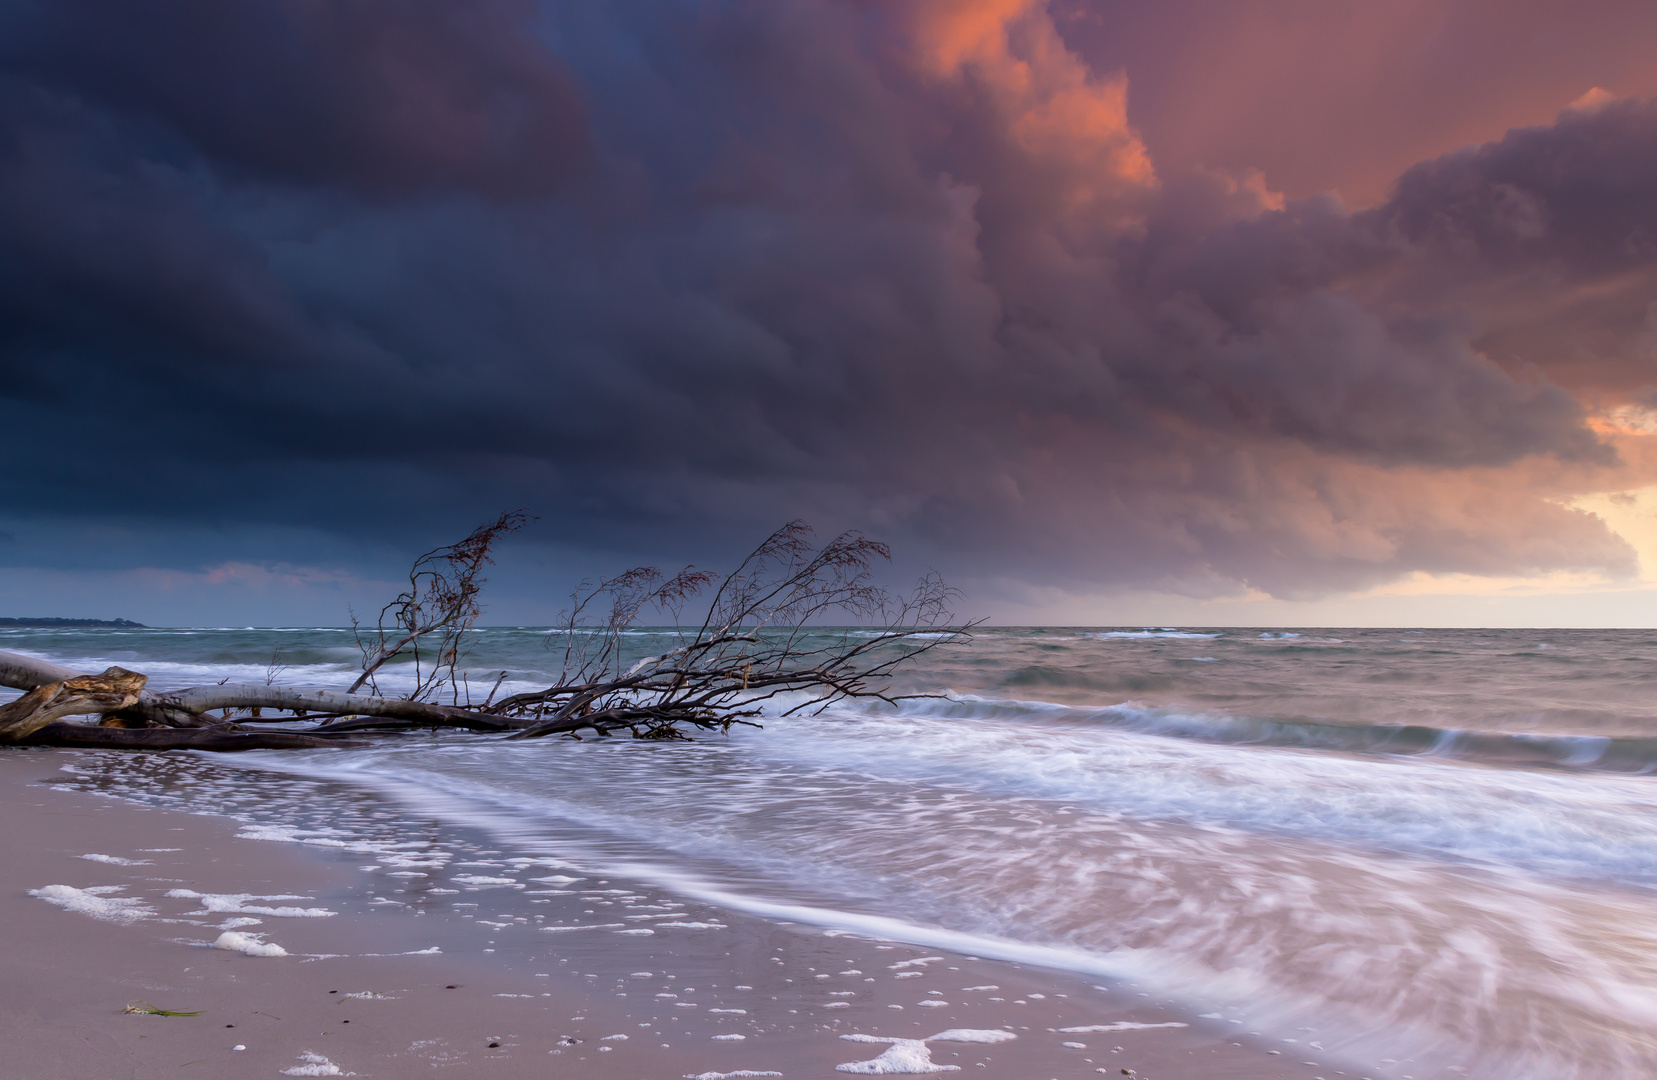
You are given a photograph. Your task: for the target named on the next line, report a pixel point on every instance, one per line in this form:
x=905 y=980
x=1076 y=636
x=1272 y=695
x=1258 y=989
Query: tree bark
x=250 y=695
x=114 y=690
x=25 y=672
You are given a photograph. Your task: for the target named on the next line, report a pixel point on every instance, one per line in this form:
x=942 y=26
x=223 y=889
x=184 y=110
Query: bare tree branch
x=794 y=629
x=441 y=599
x=761 y=638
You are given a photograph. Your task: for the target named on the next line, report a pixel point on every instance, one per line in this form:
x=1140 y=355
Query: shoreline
x=551 y=971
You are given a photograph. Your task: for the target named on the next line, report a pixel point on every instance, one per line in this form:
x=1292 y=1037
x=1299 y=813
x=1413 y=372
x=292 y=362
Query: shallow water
x=1429 y=845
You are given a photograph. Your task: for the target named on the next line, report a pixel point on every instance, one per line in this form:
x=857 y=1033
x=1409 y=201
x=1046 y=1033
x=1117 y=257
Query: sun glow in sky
x=1274 y=312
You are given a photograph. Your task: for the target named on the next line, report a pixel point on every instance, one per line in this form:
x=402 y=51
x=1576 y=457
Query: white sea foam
x=315 y=1064
x=116 y=860
x=728 y=1075
x=589 y=926
x=913 y=1055
x=253 y=945
x=237 y=904
x=287 y=834
x=695 y=925
x=96 y=902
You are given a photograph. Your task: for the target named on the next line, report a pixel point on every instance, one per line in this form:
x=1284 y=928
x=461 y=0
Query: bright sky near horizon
x=1247 y=312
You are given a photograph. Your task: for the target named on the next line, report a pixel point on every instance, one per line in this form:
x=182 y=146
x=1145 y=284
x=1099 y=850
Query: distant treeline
x=124 y=624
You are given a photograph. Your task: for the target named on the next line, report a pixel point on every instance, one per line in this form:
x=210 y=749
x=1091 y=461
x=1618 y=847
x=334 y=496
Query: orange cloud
x=949 y=34
x=1055 y=108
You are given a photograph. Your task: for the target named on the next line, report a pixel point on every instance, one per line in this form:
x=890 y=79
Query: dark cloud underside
x=367 y=267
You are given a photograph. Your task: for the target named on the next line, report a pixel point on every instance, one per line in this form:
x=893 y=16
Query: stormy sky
x=1109 y=311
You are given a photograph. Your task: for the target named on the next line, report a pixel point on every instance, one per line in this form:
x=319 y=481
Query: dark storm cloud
x=1549 y=236
x=382 y=96
x=356 y=267
x=1576 y=194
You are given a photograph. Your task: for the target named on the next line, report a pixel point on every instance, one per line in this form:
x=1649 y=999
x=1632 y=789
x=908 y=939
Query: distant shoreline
x=46 y=624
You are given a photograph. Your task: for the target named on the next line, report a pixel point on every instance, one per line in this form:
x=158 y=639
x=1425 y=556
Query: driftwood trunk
x=116 y=689
x=29 y=673
x=134 y=718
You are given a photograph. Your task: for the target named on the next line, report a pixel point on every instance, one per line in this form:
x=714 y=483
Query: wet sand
x=492 y=967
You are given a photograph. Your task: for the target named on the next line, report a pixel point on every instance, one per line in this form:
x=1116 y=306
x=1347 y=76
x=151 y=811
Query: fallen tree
x=761 y=644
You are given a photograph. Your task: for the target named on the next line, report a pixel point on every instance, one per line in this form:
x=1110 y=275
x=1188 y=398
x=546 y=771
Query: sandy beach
x=108 y=904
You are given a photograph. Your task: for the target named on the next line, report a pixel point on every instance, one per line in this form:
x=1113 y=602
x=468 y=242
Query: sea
x=1420 y=845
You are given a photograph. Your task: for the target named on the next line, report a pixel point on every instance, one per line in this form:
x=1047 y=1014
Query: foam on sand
x=1120 y=1025
x=237 y=904
x=250 y=944
x=288 y=834
x=913 y=1055
x=116 y=860
x=590 y=926
x=95 y=902
x=315 y=1065
x=727 y=1076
